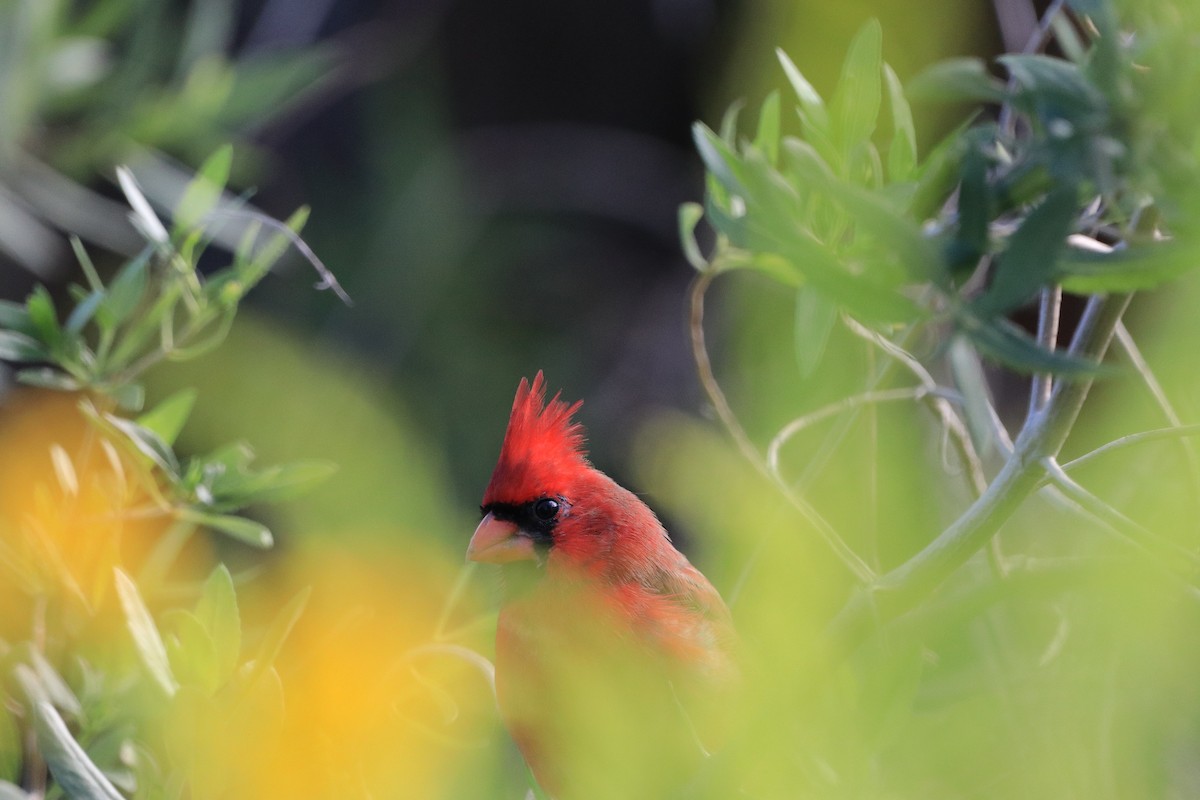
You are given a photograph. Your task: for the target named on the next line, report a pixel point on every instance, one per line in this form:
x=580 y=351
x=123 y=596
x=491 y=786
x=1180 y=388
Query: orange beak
x=497 y=542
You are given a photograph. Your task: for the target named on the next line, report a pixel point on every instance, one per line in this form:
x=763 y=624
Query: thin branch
x=1049 y=306
x=1164 y=553
x=1176 y=432
x=716 y=396
x=935 y=396
x=1042 y=436
x=854 y=401
x=1134 y=353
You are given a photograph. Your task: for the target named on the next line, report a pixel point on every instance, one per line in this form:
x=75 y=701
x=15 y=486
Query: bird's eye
x=545 y=509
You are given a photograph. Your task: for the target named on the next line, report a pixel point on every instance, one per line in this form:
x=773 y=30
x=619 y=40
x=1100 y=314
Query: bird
x=615 y=658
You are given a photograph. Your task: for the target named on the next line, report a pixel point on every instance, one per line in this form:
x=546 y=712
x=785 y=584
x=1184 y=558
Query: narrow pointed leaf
x=168 y=417
x=690 y=215
x=277 y=633
x=815 y=318
x=1031 y=259
x=145 y=634
x=902 y=155
x=77 y=776
x=217 y=611
x=20 y=348
x=204 y=191
x=855 y=105
x=811 y=103
x=244 y=530
x=957 y=80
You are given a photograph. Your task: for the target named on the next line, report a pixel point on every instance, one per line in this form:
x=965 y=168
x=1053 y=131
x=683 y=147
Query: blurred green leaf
x=204 y=191
x=902 y=155
x=957 y=80
x=1129 y=269
x=10 y=746
x=854 y=109
x=169 y=416
x=10 y=791
x=720 y=161
x=244 y=530
x=20 y=348
x=15 y=317
x=276 y=634
x=84 y=311
x=73 y=771
x=48 y=378
x=58 y=693
x=125 y=292
x=144 y=218
x=690 y=215
x=1054 y=88
x=972 y=383
x=270 y=484
x=815 y=318
x=191 y=652
x=217 y=611
x=146 y=442
x=871 y=213
x=129 y=396
x=975 y=211
x=766 y=139
x=145 y=634
x=811 y=104
x=1029 y=262
x=1008 y=344
x=43 y=317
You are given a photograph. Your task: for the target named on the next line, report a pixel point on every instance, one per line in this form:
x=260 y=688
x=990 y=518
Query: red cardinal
x=613 y=653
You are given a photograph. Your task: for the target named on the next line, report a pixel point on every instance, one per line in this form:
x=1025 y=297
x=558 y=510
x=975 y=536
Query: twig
x=1175 y=432
x=708 y=380
x=854 y=401
x=935 y=396
x=1134 y=353
x=1049 y=306
x=1042 y=436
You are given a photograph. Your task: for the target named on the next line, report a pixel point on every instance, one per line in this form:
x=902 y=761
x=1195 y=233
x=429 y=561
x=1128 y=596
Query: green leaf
x=244 y=530
x=15 y=317
x=975 y=207
x=767 y=137
x=690 y=215
x=56 y=689
x=129 y=396
x=1003 y=341
x=1127 y=270
x=811 y=104
x=957 y=80
x=10 y=791
x=1054 y=88
x=272 y=484
x=48 y=378
x=125 y=292
x=871 y=213
x=815 y=318
x=20 y=348
x=722 y=162
x=146 y=442
x=263 y=258
x=169 y=416
x=145 y=634
x=902 y=155
x=217 y=611
x=1033 y=251
x=43 y=317
x=73 y=771
x=972 y=383
x=10 y=747
x=855 y=105
x=191 y=652
x=204 y=191
x=143 y=217
x=277 y=633
x=84 y=311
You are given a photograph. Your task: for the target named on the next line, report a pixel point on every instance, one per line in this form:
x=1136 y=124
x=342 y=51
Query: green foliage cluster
x=156 y=307
x=847 y=212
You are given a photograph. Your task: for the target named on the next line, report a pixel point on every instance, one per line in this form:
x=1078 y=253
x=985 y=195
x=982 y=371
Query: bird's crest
x=542 y=446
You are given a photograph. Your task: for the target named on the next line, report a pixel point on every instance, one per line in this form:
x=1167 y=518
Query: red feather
x=614 y=655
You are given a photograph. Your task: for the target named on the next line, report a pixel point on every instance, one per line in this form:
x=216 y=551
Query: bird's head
x=537 y=480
